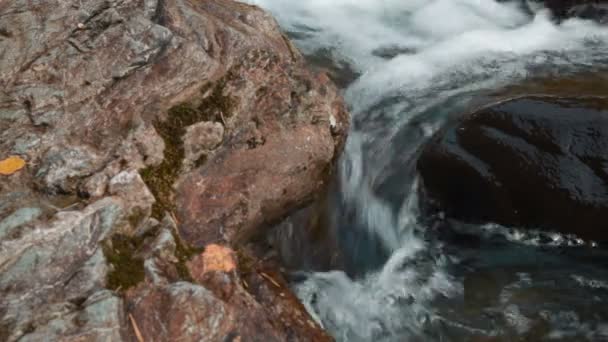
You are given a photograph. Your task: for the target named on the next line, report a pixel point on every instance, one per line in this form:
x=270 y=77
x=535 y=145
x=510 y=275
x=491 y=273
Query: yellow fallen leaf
x=11 y=165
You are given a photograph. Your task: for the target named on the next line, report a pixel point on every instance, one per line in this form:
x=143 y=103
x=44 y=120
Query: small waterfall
x=420 y=62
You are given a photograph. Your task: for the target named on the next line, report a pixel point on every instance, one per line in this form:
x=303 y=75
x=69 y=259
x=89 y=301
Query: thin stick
x=270 y=279
x=174 y=217
x=140 y=338
x=222 y=117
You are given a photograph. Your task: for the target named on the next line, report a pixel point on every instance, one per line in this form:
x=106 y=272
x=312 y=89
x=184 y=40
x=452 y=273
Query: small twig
x=136 y=329
x=267 y=277
x=174 y=217
x=70 y=206
x=222 y=117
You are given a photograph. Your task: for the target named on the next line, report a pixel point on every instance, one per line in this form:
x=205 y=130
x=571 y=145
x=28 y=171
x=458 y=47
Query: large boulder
x=111 y=104
x=536 y=162
x=279 y=146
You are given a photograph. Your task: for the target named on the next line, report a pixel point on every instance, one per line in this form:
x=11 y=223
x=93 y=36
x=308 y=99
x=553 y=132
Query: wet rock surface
x=535 y=162
x=113 y=103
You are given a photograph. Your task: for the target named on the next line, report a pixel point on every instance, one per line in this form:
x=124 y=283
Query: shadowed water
x=407 y=67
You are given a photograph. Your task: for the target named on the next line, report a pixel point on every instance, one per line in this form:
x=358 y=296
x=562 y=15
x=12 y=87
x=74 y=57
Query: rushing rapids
x=407 y=68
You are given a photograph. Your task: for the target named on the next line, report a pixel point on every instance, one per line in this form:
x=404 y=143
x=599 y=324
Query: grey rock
x=138 y=199
x=63 y=168
x=35 y=268
x=18 y=218
x=100 y=318
x=95 y=186
x=160 y=256
x=148 y=226
x=26 y=144
x=149 y=144
x=201 y=138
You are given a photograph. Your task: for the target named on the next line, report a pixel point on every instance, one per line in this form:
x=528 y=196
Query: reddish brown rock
x=224 y=304
x=282 y=138
x=188 y=312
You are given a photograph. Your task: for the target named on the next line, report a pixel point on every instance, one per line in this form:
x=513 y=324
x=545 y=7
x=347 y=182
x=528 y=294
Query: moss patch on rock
x=215 y=106
x=183 y=254
x=212 y=106
x=127 y=268
x=246 y=264
x=6 y=329
x=137 y=217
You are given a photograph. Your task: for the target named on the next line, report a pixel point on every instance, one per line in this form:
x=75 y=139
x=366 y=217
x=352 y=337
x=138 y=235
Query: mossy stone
x=160 y=179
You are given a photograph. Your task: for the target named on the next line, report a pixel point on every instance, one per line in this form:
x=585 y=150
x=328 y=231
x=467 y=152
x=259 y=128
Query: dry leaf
x=218 y=258
x=11 y=165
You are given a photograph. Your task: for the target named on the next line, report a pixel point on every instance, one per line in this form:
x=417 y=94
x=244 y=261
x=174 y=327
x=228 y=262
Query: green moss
x=245 y=263
x=201 y=161
x=29 y=328
x=121 y=251
x=214 y=107
x=127 y=269
x=183 y=254
x=136 y=217
x=6 y=329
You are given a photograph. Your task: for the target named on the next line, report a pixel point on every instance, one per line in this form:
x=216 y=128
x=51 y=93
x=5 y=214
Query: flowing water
x=407 y=67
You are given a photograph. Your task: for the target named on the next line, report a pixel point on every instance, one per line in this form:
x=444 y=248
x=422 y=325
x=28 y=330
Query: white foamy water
x=419 y=61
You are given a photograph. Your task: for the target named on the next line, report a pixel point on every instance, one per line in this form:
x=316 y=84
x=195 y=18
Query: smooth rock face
x=537 y=162
x=85 y=87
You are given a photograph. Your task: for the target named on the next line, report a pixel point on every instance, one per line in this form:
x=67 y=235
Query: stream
x=406 y=68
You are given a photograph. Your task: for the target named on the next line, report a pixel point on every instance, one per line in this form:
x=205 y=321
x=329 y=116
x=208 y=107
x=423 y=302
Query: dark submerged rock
x=536 y=162
x=596 y=10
